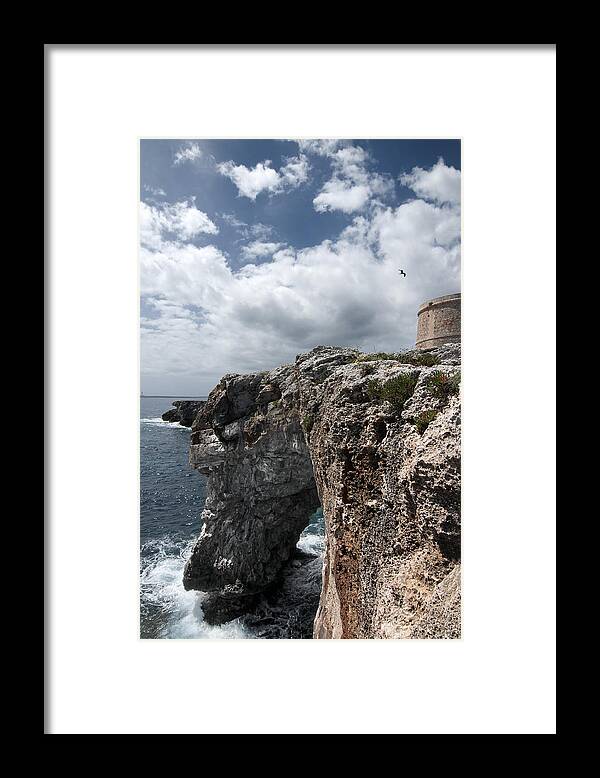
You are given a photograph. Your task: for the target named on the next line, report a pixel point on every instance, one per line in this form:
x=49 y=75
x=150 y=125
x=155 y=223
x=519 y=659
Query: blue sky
x=252 y=251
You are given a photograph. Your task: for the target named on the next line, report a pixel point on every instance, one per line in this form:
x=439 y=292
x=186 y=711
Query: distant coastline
x=171 y=397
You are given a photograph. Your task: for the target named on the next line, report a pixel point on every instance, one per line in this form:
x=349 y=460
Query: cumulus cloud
x=250 y=182
x=352 y=185
x=322 y=148
x=203 y=318
x=190 y=152
x=338 y=195
x=441 y=183
x=424 y=240
x=179 y=221
x=258 y=249
x=294 y=172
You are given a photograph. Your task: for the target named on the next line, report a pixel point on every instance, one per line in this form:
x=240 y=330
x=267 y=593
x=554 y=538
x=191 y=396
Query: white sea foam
x=158 y=422
x=311 y=543
x=171 y=612
x=180 y=611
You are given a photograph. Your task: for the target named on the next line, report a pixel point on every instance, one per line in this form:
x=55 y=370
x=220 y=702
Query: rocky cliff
x=184 y=411
x=373 y=439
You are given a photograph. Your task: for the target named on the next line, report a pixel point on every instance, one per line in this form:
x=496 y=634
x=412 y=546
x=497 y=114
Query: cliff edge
x=372 y=438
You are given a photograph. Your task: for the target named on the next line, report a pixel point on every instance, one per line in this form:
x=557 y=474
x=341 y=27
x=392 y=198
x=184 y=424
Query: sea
x=172 y=496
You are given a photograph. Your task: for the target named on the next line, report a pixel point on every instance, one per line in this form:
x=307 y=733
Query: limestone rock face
x=376 y=441
x=184 y=411
x=261 y=490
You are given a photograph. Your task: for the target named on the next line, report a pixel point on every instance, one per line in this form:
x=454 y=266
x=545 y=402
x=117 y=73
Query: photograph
x=300 y=340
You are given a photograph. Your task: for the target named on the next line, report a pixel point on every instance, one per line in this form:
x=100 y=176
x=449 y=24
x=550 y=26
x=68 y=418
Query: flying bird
x=402 y=273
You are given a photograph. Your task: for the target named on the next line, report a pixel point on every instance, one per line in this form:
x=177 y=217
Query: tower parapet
x=438 y=321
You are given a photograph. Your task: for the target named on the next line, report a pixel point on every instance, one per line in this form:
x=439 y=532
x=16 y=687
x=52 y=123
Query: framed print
x=300 y=467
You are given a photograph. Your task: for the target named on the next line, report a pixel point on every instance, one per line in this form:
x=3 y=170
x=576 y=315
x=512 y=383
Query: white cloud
x=441 y=183
x=206 y=319
x=338 y=195
x=352 y=185
x=350 y=162
x=261 y=231
x=184 y=274
x=250 y=182
x=294 y=172
x=191 y=152
x=258 y=249
x=322 y=148
x=423 y=240
x=181 y=221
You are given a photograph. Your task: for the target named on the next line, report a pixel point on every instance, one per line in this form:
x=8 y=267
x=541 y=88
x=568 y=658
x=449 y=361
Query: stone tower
x=438 y=321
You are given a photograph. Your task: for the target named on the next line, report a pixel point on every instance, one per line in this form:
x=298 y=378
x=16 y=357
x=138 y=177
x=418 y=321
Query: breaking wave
x=312 y=539
x=168 y=610
x=158 y=422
